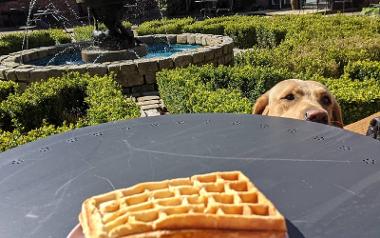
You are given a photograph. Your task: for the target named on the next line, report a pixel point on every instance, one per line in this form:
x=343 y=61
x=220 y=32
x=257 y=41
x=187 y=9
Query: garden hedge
x=250 y=31
x=13 y=41
x=362 y=70
x=235 y=89
x=7 y=88
x=58 y=104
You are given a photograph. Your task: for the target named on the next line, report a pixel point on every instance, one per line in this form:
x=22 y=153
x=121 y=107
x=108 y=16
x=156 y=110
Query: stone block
x=23 y=75
x=165 y=63
x=198 y=57
x=33 y=56
x=172 y=38
x=144 y=88
x=191 y=39
x=130 y=79
x=198 y=39
x=228 y=58
x=39 y=74
x=225 y=48
x=150 y=78
x=148 y=98
x=128 y=67
x=3 y=57
x=220 y=60
x=182 y=39
x=209 y=55
x=42 y=54
x=152 y=113
x=182 y=60
x=10 y=64
x=96 y=69
x=204 y=40
x=10 y=74
x=218 y=51
x=114 y=68
x=2 y=72
x=227 y=40
x=56 y=71
x=145 y=66
x=82 y=69
x=148 y=39
x=150 y=106
x=230 y=48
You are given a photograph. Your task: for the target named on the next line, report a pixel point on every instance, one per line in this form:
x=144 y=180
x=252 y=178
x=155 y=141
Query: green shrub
x=234 y=89
x=15 y=138
x=249 y=31
x=324 y=57
x=60 y=104
x=169 y=26
x=53 y=100
x=362 y=70
x=7 y=88
x=358 y=99
x=106 y=102
x=14 y=41
x=369 y=11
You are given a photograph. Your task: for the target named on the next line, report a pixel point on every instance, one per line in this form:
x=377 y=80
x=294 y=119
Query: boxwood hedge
x=235 y=89
x=250 y=31
x=60 y=104
x=13 y=41
x=7 y=88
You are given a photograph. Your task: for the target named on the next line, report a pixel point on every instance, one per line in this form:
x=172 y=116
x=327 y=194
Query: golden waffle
x=220 y=204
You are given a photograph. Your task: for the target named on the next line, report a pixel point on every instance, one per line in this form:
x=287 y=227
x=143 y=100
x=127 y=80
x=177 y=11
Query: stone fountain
x=117 y=51
x=117 y=42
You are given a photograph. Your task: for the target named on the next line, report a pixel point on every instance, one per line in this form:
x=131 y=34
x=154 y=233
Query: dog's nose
x=318 y=116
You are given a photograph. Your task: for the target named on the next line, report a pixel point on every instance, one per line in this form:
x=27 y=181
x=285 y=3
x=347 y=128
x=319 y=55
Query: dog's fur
x=305 y=96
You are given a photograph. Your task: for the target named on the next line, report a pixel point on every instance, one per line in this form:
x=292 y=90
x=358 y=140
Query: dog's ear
x=260 y=104
x=336 y=119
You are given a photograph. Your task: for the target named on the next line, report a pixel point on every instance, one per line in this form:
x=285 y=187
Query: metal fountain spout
x=117 y=42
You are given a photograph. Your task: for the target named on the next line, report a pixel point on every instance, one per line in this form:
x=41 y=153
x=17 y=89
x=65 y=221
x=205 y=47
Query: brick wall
x=13 y=12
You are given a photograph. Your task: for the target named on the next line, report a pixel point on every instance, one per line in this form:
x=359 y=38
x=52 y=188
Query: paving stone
x=148 y=98
x=152 y=113
x=152 y=106
x=150 y=102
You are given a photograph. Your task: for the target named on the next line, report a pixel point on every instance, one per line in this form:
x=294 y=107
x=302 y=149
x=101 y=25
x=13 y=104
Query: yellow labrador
x=304 y=100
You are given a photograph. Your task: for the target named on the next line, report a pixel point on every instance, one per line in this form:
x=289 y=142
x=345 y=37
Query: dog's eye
x=326 y=100
x=289 y=97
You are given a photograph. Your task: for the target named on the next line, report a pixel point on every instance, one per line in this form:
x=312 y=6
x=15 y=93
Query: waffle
x=220 y=204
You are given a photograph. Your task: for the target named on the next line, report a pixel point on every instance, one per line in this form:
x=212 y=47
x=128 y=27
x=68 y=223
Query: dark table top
x=325 y=180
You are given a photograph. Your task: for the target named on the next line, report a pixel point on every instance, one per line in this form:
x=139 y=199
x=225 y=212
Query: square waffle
x=220 y=204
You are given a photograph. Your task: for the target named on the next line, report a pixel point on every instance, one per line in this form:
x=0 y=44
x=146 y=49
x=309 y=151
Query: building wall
x=13 y=13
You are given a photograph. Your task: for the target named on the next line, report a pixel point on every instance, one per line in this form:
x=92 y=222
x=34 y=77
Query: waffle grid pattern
x=221 y=200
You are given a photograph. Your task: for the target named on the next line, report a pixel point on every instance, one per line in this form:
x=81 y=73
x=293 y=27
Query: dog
x=303 y=100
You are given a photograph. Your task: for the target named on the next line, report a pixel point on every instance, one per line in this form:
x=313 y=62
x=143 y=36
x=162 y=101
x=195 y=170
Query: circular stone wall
x=134 y=75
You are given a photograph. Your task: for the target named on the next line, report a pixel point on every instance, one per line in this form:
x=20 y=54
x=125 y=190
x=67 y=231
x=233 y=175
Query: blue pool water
x=72 y=55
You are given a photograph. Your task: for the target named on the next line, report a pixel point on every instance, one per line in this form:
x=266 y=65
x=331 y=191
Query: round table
x=325 y=180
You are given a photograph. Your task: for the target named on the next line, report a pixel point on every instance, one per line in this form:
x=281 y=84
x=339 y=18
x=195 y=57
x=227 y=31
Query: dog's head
x=304 y=100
